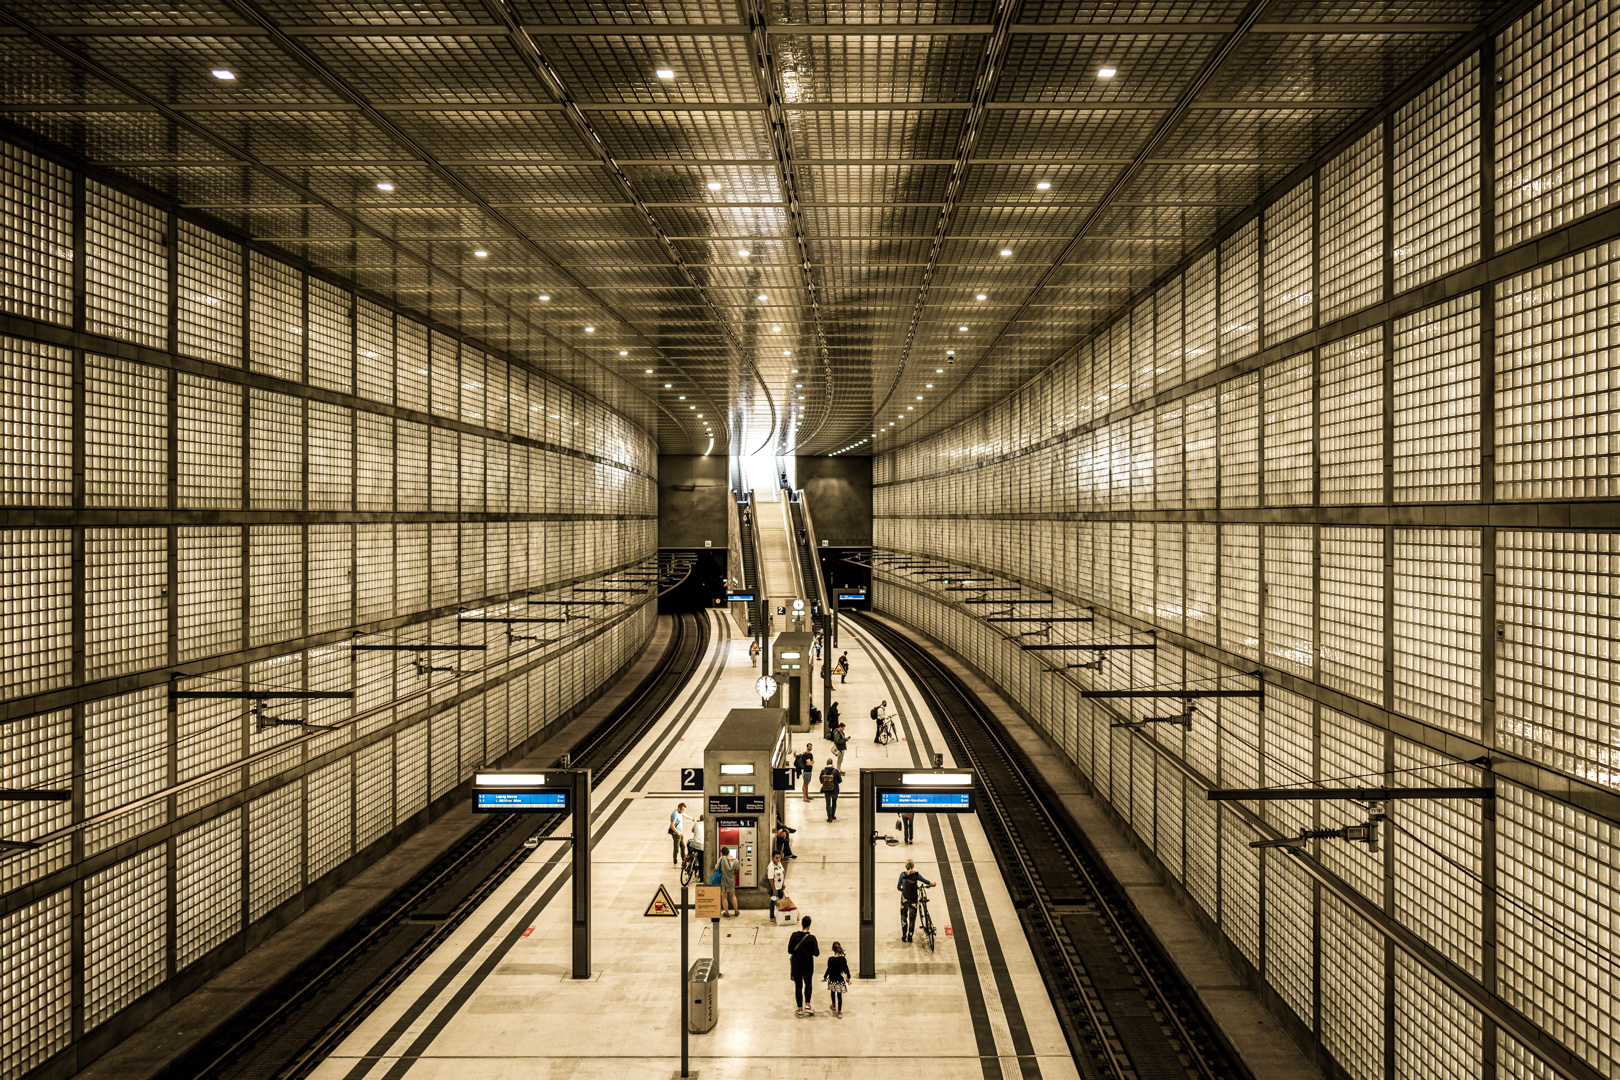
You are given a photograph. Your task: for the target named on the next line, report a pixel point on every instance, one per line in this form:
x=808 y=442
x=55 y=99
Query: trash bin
x=703 y=988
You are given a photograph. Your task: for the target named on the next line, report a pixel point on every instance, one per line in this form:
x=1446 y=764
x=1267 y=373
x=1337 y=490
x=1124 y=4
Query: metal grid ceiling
x=880 y=165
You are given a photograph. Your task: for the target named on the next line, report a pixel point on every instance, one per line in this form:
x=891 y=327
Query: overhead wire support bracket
x=420 y=648
x=510 y=636
x=260 y=695
x=31 y=795
x=982 y=588
x=575 y=603
x=263 y=720
x=1355 y=794
x=1182 y=693
x=508 y=619
x=1111 y=647
x=1181 y=719
x=1007 y=600
x=1040 y=618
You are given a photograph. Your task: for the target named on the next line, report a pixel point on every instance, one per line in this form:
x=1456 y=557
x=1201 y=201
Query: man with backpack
x=830 y=779
x=880 y=715
x=801 y=762
x=809 y=759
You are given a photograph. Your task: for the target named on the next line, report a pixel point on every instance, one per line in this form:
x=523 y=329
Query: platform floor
x=496 y=1001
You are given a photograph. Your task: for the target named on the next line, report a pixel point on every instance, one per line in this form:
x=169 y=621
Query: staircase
x=777 y=565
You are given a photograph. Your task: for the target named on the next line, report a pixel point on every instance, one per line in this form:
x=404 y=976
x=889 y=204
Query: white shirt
x=775 y=872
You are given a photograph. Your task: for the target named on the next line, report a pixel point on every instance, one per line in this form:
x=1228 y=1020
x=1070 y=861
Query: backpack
x=829 y=779
x=799 y=762
x=874 y=712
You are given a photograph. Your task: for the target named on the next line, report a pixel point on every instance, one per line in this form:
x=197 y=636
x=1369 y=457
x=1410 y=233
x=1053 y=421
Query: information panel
x=552 y=801
x=914 y=800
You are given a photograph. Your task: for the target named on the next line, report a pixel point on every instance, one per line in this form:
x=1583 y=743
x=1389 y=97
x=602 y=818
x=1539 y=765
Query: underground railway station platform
x=439 y=438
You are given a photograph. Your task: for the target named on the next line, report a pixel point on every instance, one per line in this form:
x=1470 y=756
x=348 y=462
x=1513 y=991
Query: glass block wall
x=1373 y=476
x=223 y=475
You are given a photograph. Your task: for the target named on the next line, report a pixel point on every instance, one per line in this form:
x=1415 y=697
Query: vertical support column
x=581 y=799
x=867 y=961
x=77 y=626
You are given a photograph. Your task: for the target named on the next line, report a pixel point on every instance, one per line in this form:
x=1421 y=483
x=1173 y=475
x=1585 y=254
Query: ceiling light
x=590 y=329
x=929 y=386
x=669 y=73
x=681 y=398
x=480 y=254
x=919 y=397
x=981 y=296
x=543 y=296
x=909 y=408
x=962 y=328
x=742 y=253
x=776 y=329
x=1043 y=185
x=624 y=352
x=224 y=75
x=1106 y=73
x=950 y=352
x=795 y=371
x=383 y=185
x=1005 y=252
x=691 y=406
x=761 y=296
x=798 y=386
x=714 y=185
x=787 y=352
x=669 y=386
x=649 y=371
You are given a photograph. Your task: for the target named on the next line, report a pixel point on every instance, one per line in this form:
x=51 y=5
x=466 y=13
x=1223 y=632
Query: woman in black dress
x=837 y=978
x=802 y=953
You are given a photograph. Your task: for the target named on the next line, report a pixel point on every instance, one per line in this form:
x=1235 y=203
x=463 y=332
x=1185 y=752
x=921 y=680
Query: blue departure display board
x=851 y=596
x=554 y=801
x=924 y=801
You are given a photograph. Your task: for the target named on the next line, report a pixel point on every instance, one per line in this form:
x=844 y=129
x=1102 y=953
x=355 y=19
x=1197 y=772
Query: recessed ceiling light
x=543 y=296
x=590 y=329
x=798 y=386
x=691 y=406
x=681 y=398
x=624 y=352
x=649 y=371
x=962 y=328
x=742 y=253
x=910 y=408
x=795 y=371
x=950 y=352
x=939 y=371
x=714 y=185
x=1005 y=252
x=761 y=296
x=981 y=296
x=919 y=397
x=224 y=75
x=1043 y=185
x=480 y=254
x=776 y=329
x=1106 y=73
x=383 y=185
x=787 y=352
x=665 y=73
x=668 y=386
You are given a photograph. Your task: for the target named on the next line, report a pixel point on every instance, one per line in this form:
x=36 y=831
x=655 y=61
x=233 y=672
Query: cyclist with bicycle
x=910 y=885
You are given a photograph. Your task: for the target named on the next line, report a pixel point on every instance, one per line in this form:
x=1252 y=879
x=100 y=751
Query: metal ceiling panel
x=1324 y=67
x=1044 y=134
x=50 y=79
x=877 y=184
x=849 y=134
x=179 y=70
x=1149 y=68
x=888 y=69
x=624 y=69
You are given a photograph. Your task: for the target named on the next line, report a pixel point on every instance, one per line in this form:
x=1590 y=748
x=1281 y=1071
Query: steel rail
x=992 y=731
x=339 y=1029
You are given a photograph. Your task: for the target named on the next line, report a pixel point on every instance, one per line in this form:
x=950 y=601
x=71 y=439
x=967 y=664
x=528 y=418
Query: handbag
x=900 y=823
x=785 y=903
x=714 y=878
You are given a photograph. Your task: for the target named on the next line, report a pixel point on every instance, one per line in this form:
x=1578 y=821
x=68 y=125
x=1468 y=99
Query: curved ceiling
x=796 y=225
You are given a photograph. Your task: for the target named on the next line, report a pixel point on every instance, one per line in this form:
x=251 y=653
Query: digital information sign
x=851 y=596
x=913 y=800
x=553 y=801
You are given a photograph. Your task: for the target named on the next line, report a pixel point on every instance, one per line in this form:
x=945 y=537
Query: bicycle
x=924 y=923
x=691 y=867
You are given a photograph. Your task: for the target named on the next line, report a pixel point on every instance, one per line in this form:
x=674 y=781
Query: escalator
x=750 y=571
x=809 y=564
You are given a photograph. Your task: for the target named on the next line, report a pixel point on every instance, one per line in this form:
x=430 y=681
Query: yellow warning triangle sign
x=661 y=904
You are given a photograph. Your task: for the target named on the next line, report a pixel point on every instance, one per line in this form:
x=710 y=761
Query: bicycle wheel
x=688 y=870
x=928 y=928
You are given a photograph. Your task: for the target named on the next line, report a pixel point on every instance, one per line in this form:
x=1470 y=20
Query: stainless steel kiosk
x=793 y=669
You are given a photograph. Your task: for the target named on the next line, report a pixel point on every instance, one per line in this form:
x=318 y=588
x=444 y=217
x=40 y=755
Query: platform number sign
x=691 y=779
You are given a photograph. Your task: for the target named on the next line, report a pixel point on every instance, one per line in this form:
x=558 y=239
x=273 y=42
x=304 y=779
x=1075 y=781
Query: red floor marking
x=530 y=930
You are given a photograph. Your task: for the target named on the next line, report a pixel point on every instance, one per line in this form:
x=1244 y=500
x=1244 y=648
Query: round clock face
x=765 y=685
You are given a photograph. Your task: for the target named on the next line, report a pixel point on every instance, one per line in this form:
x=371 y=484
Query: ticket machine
x=794 y=670
x=739 y=810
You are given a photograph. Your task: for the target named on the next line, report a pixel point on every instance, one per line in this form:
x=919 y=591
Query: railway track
x=1126 y=1010
x=316 y=1007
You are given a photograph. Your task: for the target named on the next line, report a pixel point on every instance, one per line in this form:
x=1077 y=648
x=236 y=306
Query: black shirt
x=837 y=968
x=802 y=961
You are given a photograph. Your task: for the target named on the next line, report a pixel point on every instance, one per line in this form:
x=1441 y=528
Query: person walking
x=830 y=779
x=781 y=845
x=725 y=876
x=906 y=825
x=677 y=831
x=840 y=743
x=802 y=952
x=837 y=978
x=753 y=653
x=809 y=764
x=832 y=715
x=775 y=881
x=842 y=670
x=908 y=884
